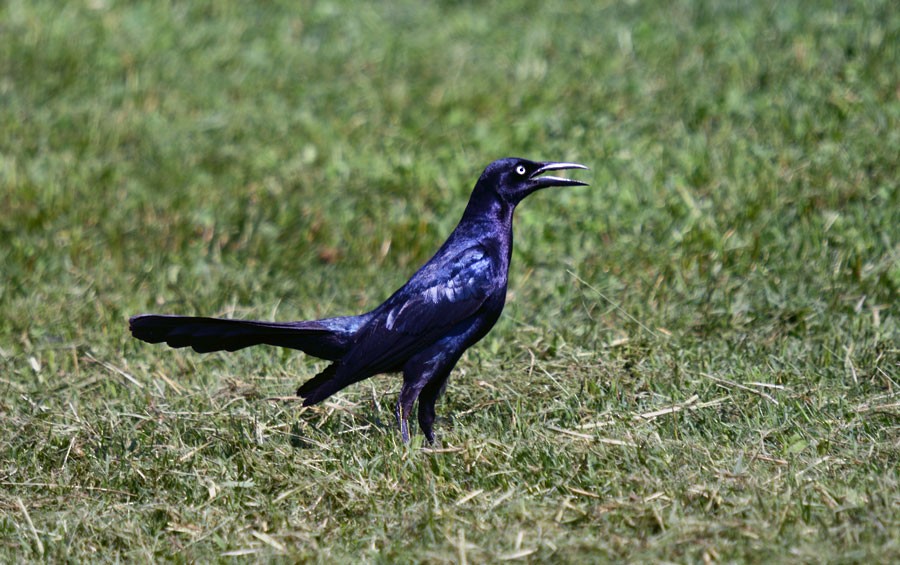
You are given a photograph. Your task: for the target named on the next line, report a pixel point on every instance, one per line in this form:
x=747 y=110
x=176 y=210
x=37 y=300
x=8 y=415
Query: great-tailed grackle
x=421 y=330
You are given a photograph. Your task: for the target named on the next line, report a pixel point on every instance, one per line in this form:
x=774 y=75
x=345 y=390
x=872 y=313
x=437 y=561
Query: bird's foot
x=404 y=431
x=403 y=423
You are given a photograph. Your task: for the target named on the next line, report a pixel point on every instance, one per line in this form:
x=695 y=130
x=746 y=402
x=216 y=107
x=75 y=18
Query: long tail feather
x=326 y=339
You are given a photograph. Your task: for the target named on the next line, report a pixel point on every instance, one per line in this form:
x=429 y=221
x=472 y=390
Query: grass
x=699 y=356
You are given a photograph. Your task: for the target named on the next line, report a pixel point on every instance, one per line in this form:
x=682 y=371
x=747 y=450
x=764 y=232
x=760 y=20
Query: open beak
x=545 y=181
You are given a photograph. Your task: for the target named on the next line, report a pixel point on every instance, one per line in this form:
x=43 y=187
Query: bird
x=421 y=330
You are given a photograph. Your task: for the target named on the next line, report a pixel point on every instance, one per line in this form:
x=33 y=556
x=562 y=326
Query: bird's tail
x=310 y=390
x=328 y=382
x=326 y=339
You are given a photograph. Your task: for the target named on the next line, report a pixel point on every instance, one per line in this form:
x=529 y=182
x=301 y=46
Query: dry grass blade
x=730 y=384
x=39 y=545
x=113 y=369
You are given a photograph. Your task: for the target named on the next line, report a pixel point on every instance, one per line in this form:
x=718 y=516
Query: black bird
x=421 y=330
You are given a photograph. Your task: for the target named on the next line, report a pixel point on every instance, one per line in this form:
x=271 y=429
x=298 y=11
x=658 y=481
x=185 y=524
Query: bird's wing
x=442 y=295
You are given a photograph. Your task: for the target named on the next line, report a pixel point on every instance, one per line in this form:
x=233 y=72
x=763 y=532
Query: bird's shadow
x=303 y=432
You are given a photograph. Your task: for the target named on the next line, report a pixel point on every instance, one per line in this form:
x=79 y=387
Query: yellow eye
x=520 y=170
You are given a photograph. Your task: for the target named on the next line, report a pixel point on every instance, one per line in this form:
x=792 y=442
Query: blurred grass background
x=699 y=356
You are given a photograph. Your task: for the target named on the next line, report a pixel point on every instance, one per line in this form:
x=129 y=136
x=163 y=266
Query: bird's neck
x=488 y=219
x=488 y=209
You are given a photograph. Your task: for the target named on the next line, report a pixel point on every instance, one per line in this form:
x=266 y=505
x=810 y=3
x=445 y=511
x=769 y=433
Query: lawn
x=700 y=354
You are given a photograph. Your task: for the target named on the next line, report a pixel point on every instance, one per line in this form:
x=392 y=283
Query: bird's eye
x=520 y=170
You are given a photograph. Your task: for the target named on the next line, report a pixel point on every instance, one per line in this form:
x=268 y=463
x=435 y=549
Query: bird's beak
x=544 y=181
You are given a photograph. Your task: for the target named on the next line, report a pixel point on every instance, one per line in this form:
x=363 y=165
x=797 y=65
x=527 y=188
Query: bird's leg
x=402 y=422
x=426 y=417
x=427 y=399
x=408 y=394
x=427 y=374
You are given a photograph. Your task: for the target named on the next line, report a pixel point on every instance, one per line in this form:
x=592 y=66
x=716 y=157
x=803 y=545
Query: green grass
x=699 y=358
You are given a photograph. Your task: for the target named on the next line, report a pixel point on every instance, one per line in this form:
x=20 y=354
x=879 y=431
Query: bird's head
x=513 y=179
